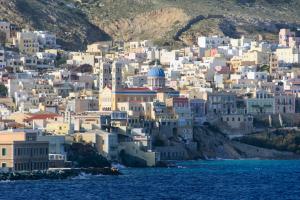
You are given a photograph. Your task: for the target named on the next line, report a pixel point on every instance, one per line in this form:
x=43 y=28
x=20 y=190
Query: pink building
x=294 y=42
x=213 y=52
x=284 y=35
x=178 y=102
x=289 y=38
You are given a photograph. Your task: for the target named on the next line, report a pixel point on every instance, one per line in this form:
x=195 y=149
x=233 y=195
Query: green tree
x=3 y=90
x=60 y=60
x=264 y=68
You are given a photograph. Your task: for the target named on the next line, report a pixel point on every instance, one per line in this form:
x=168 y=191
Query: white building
x=261 y=76
x=139 y=44
x=241 y=42
x=166 y=57
x=178 y=65
x=137 y=56
x=150 y=55
x=219 y=80
x=137 y=81
x=212 y=42
x=229 y=52
x=46 y=39
x=106 y=143
x=4 y=112
x=110 y=145
x=45 y=55
x=212 y=62
x=56 y=143
x=288 y=55
x=79 y=58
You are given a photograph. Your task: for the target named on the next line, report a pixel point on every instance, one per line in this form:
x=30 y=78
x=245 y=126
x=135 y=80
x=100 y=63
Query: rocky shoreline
x=57 y=174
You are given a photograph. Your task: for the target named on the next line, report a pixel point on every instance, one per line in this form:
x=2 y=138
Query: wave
x=118 y=166
x=82 y=176
x=7 y=181
x=217 y=159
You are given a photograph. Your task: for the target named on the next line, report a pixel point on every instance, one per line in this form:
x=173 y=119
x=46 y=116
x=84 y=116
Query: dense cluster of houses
x=135 y=98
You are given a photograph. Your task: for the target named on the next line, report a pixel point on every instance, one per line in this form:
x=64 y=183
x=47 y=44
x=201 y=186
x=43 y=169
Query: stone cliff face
x=150 y=25
x=164 y=21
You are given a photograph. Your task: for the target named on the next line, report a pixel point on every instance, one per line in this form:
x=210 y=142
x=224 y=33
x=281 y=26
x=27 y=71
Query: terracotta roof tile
x=41 y=116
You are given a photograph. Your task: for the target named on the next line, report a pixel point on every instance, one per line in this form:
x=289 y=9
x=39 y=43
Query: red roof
x=135 y=89
x=41 y=116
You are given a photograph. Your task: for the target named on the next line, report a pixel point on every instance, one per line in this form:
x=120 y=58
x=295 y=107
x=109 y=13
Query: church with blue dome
x=156 y=71
x=156 y=78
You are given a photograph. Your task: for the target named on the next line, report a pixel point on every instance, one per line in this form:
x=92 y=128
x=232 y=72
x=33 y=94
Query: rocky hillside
x=213 y=144
x=279 y=139
x=72 y=26
x=168 y=22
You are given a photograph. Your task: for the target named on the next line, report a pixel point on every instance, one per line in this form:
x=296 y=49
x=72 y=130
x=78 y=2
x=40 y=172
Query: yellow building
x=9 y=103
x=98 y=48
x=58 y=128
x=27 y=42
x=257 y=57
x=237 y=62
x=138 y=46
x=287 y=55
x=109 y=99
x=19 y=117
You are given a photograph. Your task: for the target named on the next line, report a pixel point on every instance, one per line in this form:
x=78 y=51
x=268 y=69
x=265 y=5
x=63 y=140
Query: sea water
x=228 y=179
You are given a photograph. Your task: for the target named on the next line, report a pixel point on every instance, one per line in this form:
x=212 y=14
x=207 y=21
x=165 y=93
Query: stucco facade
x=21 y=152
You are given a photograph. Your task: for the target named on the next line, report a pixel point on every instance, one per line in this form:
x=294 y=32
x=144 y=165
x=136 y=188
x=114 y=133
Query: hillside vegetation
x=165 y=21
x=282 y=140
x=214 y=144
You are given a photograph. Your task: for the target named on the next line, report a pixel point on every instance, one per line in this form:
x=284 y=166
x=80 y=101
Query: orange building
x=20 y=151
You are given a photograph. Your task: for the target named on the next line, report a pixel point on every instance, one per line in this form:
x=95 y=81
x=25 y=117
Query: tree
x=2 y=38
x=60 y=60
x=3 y=90
x=264 y=68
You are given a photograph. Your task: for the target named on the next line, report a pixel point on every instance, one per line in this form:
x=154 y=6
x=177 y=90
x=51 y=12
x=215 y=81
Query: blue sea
x=230 y=179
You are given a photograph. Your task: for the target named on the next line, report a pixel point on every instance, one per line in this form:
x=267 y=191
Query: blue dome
x=156 y=72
